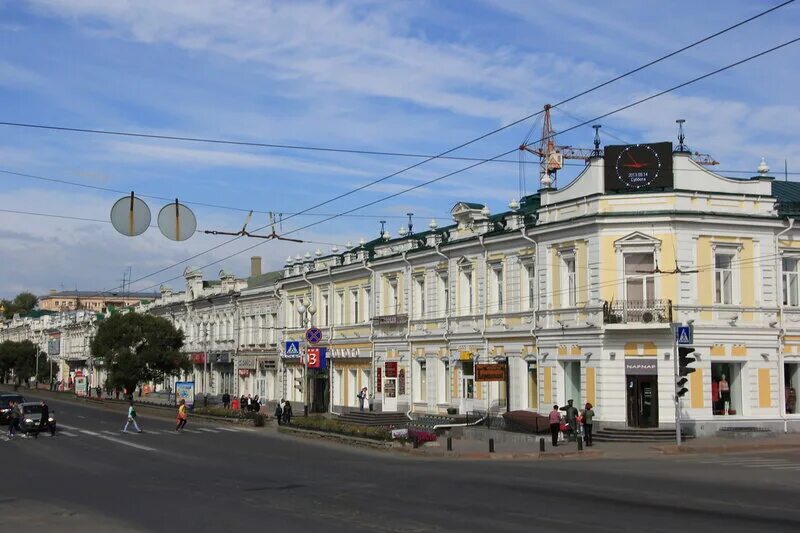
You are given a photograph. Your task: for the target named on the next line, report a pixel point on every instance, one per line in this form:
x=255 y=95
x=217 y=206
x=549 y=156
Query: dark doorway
x=642 y=401
x=319 y=390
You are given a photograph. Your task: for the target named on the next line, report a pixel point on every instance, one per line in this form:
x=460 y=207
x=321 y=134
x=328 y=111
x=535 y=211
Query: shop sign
x=268 y=365
x=379 y=382
x=490 y=372
x=641 y=367
x=198 y=358
x=465 y=355
x=391 y=369
x=248 y=363
x=317 y=357
x=222 y=358
x=244 y=372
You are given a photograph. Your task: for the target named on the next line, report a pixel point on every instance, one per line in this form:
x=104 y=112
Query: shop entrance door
x=390 y=394
x=642 y=401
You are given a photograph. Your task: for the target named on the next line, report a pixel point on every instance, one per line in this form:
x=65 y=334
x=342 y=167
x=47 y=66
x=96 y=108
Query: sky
x=409 y=77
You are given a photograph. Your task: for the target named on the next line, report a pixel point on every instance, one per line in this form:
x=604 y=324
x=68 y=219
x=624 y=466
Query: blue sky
x=410 y=76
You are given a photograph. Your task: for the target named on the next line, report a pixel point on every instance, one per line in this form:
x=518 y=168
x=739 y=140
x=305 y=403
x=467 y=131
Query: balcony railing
x=637 y=312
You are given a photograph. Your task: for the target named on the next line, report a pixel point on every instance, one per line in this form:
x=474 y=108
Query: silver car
x=31 y=419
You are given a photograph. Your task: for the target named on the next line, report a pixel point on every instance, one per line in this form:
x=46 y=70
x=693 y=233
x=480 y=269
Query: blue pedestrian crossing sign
x=683 y=334
x=292 y=348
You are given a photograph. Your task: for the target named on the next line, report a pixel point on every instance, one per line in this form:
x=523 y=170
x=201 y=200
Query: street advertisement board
x=490 y=372
x=184 y=390
x=317 y=357
x=80 y=385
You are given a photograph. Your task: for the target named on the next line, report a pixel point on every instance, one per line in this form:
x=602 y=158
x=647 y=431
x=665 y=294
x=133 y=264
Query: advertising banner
x=184 y=390
x=81 y=385
x=490 y=372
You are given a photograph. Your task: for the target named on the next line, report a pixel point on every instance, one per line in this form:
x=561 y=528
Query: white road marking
x=67 y=434
x=764 y=465
x=234 y=430
x=786 y=467
x=207 y=430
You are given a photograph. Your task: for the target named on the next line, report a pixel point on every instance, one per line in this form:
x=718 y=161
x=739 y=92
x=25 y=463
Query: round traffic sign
x=313 y=335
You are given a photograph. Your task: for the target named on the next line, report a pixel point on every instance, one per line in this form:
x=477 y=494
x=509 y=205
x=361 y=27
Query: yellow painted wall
x=641 y=349
x=575 y=350
x=747 y=273
x=739 y=350
x=582 y=272
x=764 y=390
x=696 y=389
x=608 y=264
x=562 y=350
x=669 y=283
x=717 y=350
x=705 y=277
x=591 y=395
x=548 y=385
x=744 y=266
x=555 y=279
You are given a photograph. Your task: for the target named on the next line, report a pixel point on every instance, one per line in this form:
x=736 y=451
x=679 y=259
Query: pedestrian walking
x=588 y=418
x=131 y=420
x=243 y=402
x=571 y=413
x=362 y=396
x=13 y=421
x=287 y=413
x=183 y=416
x=279 y=411
x=44 y=421
x=555 y=424
x=226 y=401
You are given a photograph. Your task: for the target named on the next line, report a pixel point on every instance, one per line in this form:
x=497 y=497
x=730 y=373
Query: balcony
x=654 y=312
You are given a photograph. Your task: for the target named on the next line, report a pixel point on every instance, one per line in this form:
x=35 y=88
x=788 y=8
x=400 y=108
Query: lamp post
x=306 y=310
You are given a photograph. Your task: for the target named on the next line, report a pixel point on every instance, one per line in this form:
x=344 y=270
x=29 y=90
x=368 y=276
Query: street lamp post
x=306 y=310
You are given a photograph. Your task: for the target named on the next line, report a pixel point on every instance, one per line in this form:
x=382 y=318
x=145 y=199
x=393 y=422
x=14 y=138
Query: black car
x=32 y=423
x=5 y=406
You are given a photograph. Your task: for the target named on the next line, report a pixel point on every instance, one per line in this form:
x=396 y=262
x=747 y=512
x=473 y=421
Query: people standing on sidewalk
x=183 y=416
x=287 y=413
x=362 y=396
x=555 y=424
x=226 y=401
x=279 y=412
x=131 y=420
x=571 y=413
x=588 y=418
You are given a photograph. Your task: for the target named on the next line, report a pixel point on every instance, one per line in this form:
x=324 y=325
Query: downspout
x=306 y=387
x=332 y=326
x=410 y=310
x=781 y=331
x=446 y=316
x=485 y=310
x=534 y=305
x=371 y=310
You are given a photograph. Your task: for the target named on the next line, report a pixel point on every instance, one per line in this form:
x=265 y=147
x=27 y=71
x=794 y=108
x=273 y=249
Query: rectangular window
x=496 y=288
x=443 y=382
x=723 y=279
x=726 y=388
x=467 y=380
x=639 y=277
x=790 y=284
x=527 y=287
x=419 y=296
x=326 y=309
x=341 y=318
x=444 y=293
x=354 y=306
x=569 y=287
x=572 y=382
x=273 y=327
x=466 y=304
x=791 y=380
x=421 y=382
x=393 y=297
x=368 y=307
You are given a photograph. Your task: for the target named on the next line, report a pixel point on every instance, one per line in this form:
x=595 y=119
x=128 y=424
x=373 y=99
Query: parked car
x=5 y=406
x=31 y=421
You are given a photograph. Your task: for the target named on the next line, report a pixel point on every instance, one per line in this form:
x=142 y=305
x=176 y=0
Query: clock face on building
x=638 y=166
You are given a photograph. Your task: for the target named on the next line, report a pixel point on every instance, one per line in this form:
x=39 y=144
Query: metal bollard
x=541 y=445
x=491 y=445
x=449 y=444
x=580 y=444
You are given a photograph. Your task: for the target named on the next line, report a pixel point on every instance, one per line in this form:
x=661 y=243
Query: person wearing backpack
x=131 y=420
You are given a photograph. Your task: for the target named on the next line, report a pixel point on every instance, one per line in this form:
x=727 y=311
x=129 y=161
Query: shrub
x=420 y=436
x=330 y=425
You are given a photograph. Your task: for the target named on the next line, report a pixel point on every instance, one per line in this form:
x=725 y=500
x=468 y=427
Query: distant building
x=91 y=300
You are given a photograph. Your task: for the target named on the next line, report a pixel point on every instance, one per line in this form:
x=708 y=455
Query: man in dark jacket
x=571 y=413
x=44 y=421
x=226 y=400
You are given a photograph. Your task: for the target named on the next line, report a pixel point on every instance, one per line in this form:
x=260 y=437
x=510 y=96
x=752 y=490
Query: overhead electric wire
x=617 y=110
x=596 y=87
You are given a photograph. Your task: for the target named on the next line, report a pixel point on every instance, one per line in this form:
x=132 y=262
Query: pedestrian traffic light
x=684 y=360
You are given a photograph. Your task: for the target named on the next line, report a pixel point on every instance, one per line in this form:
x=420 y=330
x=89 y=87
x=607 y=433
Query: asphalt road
x=92 y=478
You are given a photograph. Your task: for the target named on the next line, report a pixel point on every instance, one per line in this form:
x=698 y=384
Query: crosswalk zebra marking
x=207 y=430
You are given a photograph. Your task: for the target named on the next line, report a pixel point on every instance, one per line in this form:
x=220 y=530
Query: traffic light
x=299 y=385
x=684 y=360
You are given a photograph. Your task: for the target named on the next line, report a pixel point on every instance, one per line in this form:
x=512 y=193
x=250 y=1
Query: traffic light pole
x=675 y=382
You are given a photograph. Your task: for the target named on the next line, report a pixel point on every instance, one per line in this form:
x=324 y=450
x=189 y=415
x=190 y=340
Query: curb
x=725 y=448
x=342 y=439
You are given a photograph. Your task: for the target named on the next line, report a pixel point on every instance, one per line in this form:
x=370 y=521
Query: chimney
x=255 y=266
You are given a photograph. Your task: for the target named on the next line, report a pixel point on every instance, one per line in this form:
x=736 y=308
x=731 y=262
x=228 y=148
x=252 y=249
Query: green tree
x=137 y=348
x=19 y=357
x=22 y=303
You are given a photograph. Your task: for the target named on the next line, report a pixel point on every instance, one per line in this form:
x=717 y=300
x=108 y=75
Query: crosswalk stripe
x=233 y=430
x=67 y=434
x=764 y=465
x=786 y=467
x=207 y=430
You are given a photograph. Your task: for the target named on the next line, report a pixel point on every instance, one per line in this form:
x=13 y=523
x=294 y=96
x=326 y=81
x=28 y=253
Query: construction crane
x=552 y=156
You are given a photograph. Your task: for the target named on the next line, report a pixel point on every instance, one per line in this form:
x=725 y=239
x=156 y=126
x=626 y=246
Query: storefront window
x=791 y=380
x=467 y=380
x=726 y=388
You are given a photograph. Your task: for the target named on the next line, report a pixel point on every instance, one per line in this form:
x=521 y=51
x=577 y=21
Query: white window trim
x=633 y=248
x=793 y=255
x=734 y=250
x=564 y=256
x=497 y=301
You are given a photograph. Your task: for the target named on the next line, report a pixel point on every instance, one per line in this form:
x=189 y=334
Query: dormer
x=194 y=282
x=467 y=213
x=228 y=281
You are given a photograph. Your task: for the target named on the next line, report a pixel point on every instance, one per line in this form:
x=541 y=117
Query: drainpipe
x=410 y=310
x=280 y=371
x=332 y=327
x=446 y=315
x=485 y=309
x=372 y=295
x=781 y=331
x=534 y=305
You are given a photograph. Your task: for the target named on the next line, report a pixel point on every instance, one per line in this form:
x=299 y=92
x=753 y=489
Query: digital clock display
x=636 y=167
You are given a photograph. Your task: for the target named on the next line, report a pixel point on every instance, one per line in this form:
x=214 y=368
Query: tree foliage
x=19 y=357
x=137 y=348
x=22 y=303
